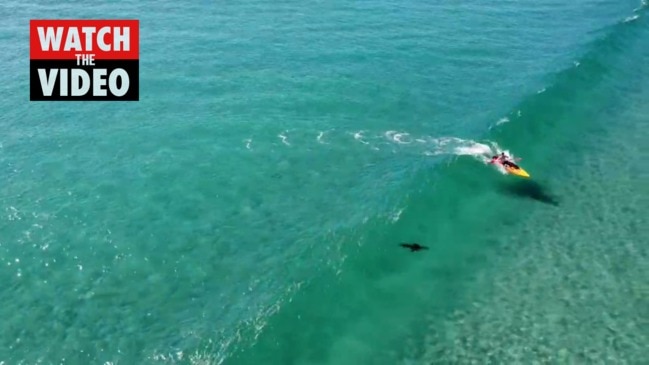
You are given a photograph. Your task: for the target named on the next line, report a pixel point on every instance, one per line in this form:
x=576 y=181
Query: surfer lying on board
x=504 y=160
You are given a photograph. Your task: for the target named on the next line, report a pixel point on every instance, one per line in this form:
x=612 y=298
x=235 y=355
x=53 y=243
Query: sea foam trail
x=428 y=145
x=391 y=141
x=437 y=146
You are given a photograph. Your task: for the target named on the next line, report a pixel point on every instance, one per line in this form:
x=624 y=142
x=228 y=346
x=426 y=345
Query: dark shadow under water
x=530 y=190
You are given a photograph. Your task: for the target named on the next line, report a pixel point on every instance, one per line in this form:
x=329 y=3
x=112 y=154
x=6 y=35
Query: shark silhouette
x=413 y=246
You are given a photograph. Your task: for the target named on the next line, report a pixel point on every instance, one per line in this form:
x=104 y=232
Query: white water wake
x=437 y=146
x=397 y=142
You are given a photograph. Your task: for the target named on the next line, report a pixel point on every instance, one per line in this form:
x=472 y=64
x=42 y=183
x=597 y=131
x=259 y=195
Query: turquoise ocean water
x=248 y=209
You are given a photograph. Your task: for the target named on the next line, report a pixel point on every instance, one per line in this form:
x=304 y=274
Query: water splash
x=284 y=137
x=359 y=137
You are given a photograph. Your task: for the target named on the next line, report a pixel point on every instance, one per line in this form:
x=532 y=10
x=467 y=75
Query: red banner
x=65 y=39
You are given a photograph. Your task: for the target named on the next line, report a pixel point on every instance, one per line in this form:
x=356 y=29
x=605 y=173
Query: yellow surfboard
x=517 y=171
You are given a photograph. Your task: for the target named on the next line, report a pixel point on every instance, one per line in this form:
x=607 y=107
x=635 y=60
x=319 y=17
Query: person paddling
x=504 y=160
